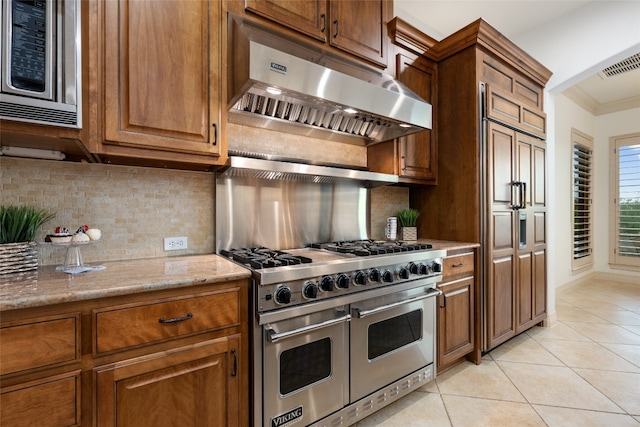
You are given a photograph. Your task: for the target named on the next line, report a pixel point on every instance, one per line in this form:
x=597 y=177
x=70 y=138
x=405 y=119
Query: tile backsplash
x=134 y=207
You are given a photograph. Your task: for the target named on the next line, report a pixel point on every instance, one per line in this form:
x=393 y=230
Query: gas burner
x=369 y=247
x=261 y=257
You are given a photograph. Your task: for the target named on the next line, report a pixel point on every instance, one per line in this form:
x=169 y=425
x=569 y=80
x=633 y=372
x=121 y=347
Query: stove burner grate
x=369 y=247
x=261 y=257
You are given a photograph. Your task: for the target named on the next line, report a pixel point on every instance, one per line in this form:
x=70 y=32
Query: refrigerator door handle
x=514 y=185
x=523 y=195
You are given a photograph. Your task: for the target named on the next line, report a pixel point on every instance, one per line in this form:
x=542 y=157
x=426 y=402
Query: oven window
x=304 y=365
x=391 y=334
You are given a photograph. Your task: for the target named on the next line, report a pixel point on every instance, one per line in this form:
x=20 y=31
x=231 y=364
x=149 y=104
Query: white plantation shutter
x=627 y=202
x=582 y=208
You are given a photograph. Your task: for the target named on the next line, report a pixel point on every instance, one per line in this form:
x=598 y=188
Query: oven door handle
x=363 y=313
x=274 y=336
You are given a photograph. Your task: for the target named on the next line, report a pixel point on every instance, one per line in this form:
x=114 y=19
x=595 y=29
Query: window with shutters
x=582 y=208
x=625 y=211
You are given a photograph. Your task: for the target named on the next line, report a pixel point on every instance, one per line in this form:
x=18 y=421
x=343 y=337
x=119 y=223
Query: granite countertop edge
x=46 y=286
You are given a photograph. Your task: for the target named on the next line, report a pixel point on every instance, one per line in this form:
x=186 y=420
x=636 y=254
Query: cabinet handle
x=523 y=195
x=235 y=363
x=175 y=319
x=444 y=301
x=215 y=134
x=404 y=163
x=324 y=22
x=336 y=24
x=457 y=265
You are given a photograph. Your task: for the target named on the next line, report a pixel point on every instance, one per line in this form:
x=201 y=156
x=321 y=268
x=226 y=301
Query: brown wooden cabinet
x=357 y=27
x=194 y=385
x=414 y=157
x=170 y=357
x=487 y=87
x=40 y=371
x=516 y=291
x=456 y=310
x=157 y=73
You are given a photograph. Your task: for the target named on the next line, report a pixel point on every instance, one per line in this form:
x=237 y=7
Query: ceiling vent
x=629 y=64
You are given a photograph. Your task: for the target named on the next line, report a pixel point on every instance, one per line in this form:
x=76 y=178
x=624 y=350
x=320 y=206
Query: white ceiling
x=514 y=18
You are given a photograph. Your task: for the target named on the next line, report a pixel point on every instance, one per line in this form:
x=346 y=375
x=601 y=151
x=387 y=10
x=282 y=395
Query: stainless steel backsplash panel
x=284 y=214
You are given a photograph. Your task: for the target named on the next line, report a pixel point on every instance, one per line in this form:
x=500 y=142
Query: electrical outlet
x=175 y=243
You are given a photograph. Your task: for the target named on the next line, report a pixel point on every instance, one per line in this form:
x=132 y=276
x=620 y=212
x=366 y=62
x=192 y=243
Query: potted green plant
x=18 y=226
x=408 y=223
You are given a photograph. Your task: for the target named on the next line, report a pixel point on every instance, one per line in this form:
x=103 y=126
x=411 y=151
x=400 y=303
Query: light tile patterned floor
x=583 y=372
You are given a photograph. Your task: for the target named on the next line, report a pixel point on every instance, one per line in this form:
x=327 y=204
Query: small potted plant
x=408 y=223
x=18 y=226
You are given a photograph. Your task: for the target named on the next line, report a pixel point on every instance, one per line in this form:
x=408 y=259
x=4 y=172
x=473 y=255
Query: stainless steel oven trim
x=430 y=293
x=303 y=271
x=367 y=374
x=287 y=313
x=273 y=336
x=333 y=390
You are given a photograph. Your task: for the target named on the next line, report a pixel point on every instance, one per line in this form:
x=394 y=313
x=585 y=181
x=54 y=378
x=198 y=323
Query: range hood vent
x=281 y=169
x=280 y=84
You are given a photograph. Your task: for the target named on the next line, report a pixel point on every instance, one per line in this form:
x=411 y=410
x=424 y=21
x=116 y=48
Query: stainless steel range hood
x=279 y=168
x=285 y=85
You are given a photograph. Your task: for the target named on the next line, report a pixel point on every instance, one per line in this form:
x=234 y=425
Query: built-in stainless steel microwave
x=41 y=63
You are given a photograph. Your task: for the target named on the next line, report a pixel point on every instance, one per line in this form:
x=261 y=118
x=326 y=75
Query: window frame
x=617 y=261
x=586 y=261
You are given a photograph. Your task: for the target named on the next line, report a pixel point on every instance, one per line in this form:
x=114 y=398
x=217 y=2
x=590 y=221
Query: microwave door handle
x=274 y=336
x=364 y=313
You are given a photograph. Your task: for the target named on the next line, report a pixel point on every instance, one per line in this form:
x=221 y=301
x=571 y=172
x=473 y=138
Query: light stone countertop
x=46 y=286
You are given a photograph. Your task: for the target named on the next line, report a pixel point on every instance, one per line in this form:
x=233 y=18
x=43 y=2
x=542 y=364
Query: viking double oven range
x=343 y=327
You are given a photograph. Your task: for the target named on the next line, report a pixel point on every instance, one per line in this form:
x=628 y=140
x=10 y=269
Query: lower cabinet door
x=195 y=385
x=455 y=321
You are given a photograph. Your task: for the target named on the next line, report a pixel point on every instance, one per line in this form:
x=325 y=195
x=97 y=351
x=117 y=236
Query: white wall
x=567 y=115
x=607 y=126
x=581 y=43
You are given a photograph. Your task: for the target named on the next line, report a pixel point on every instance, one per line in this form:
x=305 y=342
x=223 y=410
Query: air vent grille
x=362 y=125
x=42 y=115
x=629 y=64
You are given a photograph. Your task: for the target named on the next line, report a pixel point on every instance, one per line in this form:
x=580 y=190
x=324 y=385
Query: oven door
x=305 y=362
x=391 y=337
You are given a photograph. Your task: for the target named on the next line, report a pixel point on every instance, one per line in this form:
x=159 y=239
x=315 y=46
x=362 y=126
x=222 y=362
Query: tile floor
x=584 y=371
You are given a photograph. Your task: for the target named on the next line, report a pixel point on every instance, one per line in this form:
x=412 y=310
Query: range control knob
x=326 y=283
x=413 y=268
x=423 y=269
x=402 y=273
x=310 y=290
x=374 y=275
x=387 y=277
x=359 y=278
x=283 y=295
x=342 y=281
x=436 y=267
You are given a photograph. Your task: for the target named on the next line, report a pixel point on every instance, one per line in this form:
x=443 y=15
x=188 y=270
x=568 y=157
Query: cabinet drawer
x=456 y=265
x=134 y=325
x=52 y=401
x=46 y=341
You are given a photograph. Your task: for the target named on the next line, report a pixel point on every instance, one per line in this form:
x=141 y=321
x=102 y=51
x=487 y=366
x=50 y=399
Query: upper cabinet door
x=418 y=152
x=162 y=75
x=307 y=16
x=360 y=28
